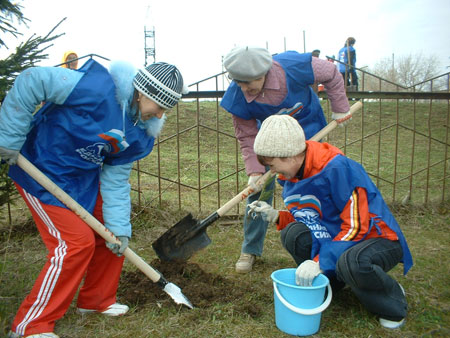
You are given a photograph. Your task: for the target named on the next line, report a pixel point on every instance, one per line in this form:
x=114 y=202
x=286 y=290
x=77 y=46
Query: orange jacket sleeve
x=284 y=218
x=355 y=217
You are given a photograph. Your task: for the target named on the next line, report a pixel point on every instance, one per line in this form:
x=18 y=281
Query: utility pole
x=304 y=42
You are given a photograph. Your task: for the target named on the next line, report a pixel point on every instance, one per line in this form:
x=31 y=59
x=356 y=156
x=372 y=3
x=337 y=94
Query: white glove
x=116 y=248
x=9 y=155
x=252 y=181
x=268 y=213
x=342 y=118
x=306 y=272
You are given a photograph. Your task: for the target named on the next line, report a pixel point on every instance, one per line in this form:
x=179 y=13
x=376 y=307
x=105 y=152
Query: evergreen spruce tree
x=27 y=54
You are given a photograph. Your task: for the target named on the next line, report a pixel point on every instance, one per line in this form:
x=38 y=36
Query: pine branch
x=8 y=13
x=27 y=54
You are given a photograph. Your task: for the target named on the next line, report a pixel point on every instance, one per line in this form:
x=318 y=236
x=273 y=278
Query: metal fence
x=401 y=137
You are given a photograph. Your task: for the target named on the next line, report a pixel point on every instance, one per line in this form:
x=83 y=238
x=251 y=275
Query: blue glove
x=118 y=249
x=9 y=155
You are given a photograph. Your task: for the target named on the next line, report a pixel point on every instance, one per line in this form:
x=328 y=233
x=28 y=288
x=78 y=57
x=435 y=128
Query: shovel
x=189 y=235
x=171 y=289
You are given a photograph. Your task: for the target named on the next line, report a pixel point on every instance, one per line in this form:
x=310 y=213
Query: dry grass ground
x=232 y=305
x=228 y=304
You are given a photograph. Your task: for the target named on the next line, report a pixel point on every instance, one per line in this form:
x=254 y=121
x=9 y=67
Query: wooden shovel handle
x=90 y=220
x=260 y=183
x=333 y=124
x=244 y=194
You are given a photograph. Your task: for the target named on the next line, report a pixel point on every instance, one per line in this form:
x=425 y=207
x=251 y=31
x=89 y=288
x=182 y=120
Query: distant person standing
x=70 y=60
x=347 y=57
x=331 y=58
x=315 y=53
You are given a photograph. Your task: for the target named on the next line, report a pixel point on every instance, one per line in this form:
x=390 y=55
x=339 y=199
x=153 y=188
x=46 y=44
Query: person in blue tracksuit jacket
x=95 y=123
x=336 y=222
x=347 y=58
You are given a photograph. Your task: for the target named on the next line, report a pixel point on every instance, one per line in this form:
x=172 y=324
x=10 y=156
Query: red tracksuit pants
x=74 y=251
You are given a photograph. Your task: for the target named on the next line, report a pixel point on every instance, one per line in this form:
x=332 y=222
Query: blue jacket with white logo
x=83 y=133
x=344 y=54
x=301 y=102
x=319 y=197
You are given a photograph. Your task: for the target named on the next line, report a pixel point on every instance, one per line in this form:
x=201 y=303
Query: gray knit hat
x=160 y=82
x=247 y=63
x=280 y=136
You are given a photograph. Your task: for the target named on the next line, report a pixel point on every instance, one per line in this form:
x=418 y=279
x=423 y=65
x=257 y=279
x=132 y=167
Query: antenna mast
x=149 y=42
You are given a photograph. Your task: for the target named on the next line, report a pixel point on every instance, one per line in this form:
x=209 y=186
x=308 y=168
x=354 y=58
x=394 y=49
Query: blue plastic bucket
x=298 y=309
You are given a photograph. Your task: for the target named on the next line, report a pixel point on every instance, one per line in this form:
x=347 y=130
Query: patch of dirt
x=203 y=289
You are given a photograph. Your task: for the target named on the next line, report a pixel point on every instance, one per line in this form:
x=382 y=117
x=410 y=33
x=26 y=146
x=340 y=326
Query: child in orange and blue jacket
x=337 y=222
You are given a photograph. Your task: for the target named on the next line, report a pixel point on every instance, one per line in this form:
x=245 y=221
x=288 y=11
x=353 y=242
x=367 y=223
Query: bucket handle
x=307 y=312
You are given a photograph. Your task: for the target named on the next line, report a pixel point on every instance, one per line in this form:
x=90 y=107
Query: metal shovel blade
x=175 y=292
x=182 y=240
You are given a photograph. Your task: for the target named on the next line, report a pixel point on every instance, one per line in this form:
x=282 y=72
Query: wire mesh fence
x=400 y=136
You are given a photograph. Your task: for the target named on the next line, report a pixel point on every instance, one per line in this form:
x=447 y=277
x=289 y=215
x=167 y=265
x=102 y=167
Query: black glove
x=116 y=248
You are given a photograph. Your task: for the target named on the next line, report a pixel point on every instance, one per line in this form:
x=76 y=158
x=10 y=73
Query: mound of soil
x=203 y=289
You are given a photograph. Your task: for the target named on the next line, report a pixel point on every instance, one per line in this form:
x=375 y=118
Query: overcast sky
x=196 y=34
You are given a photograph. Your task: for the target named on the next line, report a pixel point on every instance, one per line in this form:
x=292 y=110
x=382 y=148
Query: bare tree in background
x=408 y=70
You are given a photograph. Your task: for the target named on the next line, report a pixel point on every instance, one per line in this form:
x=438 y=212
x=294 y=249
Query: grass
x=232 y=305
x=241 y=305
x=402 y=145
